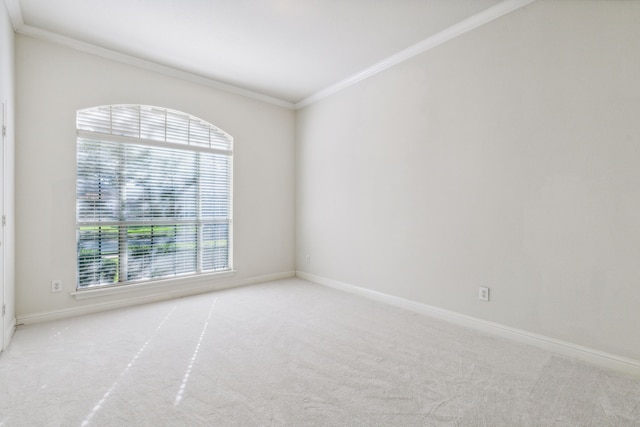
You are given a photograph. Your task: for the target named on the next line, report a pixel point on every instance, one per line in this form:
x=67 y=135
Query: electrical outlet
x=307 y=259
x=56 y=286
x=483 y=293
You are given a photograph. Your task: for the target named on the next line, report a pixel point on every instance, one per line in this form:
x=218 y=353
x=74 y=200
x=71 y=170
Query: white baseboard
x=596 y=357
x=8 y=332
x=29 y=319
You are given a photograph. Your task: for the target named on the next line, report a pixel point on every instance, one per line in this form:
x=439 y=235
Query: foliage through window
x=153 y=195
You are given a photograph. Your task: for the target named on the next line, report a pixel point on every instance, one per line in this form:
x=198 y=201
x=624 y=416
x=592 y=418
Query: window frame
x=217 y=139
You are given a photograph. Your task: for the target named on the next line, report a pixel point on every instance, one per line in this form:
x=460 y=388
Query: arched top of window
x=153 y=124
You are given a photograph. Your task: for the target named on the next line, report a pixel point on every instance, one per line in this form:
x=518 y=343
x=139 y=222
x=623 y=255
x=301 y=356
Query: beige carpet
x=296 y=354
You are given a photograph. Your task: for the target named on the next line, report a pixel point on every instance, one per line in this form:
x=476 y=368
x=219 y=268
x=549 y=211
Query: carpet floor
x=291 y=353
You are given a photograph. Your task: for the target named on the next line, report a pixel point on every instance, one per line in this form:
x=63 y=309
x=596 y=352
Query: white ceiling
x=286 y=49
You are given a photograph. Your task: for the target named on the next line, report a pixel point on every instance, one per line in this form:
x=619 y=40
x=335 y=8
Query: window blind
x=153 y=195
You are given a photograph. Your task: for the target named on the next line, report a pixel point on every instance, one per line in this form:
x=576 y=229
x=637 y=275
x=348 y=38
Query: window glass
x=153 y=195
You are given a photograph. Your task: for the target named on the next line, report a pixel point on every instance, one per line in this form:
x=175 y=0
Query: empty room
x=320 y=213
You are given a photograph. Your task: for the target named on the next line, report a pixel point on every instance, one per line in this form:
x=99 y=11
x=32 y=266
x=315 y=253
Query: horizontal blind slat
x=153 y=123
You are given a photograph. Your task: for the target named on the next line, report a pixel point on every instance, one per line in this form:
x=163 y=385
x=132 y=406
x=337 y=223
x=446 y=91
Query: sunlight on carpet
x=294 y=353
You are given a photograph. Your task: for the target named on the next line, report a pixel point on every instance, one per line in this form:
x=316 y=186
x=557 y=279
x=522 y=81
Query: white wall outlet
x=307 y=259
x=483 y=293
x=56 y=286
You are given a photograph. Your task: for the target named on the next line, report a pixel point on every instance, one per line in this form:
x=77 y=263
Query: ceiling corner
x=15 y=13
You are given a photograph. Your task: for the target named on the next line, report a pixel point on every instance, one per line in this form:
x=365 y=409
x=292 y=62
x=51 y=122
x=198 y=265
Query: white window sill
x=187 y=282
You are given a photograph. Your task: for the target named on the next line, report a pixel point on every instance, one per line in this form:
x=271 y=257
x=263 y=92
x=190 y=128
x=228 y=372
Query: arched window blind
x=154 y=190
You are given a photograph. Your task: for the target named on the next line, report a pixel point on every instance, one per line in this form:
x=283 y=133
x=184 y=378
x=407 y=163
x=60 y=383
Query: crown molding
x=166 y=70
x=475 y=21
x=15 y=13
x=437 y=39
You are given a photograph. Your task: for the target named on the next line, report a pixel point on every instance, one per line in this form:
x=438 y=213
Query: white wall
x=508 y=157
x=52 y=83
x=7 y=250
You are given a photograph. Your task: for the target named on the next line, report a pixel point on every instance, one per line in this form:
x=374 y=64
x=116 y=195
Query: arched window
x=153 y=195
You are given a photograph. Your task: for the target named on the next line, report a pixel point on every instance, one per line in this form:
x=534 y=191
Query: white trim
x=596 y=357
x=437 y=39
x=8 y=333
x=15 y=13
x=151 y=284
x=462 y=27
x=166 y=70
x=29 y=319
